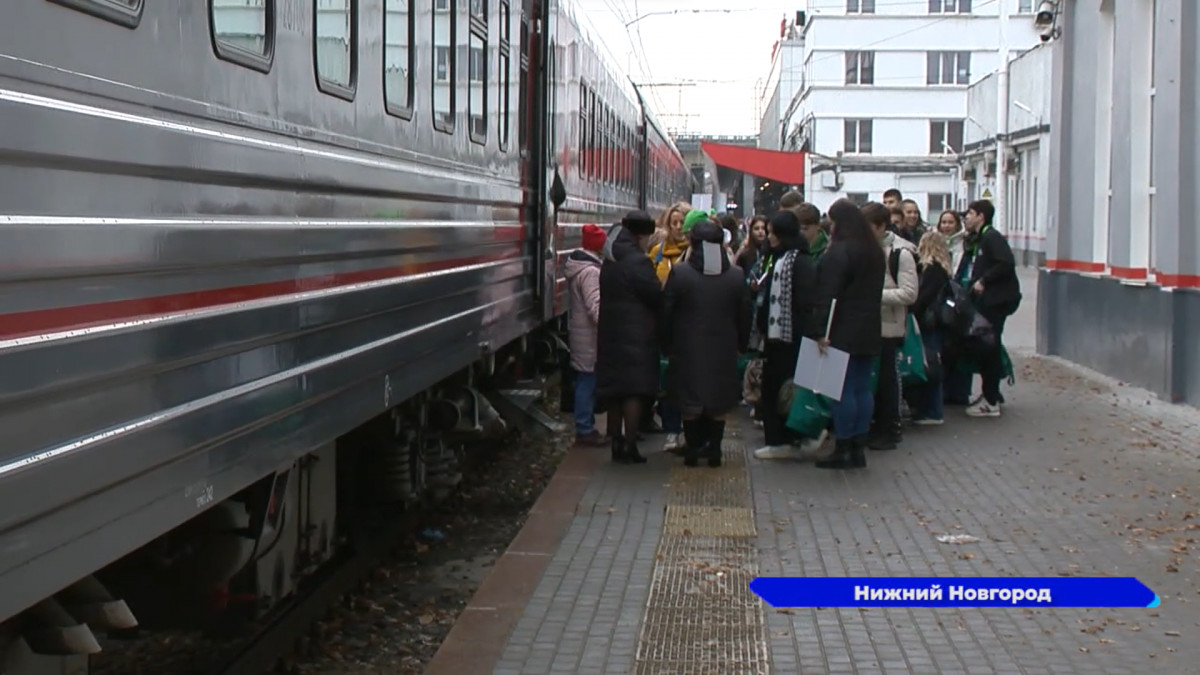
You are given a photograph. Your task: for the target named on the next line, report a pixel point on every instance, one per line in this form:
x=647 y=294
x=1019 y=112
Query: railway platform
x=645 y=569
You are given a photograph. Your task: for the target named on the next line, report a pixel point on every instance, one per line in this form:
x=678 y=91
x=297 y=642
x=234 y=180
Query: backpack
x=894 y=262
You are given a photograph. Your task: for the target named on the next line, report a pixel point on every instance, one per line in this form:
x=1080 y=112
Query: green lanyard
x=975 y=252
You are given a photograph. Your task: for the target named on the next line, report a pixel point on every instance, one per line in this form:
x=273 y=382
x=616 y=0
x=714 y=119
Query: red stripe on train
x=42 y=321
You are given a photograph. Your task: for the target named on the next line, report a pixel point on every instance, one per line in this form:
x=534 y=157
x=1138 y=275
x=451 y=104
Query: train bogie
x=262 y=266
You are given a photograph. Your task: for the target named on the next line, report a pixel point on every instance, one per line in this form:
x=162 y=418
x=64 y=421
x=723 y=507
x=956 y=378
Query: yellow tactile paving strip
x=701 y=616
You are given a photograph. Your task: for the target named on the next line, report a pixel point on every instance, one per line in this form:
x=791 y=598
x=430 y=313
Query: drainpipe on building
x=1001 y=219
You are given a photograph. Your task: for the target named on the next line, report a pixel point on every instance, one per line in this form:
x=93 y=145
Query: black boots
x=626 y=452
x=885 y=437
x=703 y=437
x=694 y=440
x=716 y=434
x=858 y=452
x=849 y=453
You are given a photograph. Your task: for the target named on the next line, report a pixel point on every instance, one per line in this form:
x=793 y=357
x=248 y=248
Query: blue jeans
x=852 y=415
x=671 y=416
x=932 y=396
x=585 y=403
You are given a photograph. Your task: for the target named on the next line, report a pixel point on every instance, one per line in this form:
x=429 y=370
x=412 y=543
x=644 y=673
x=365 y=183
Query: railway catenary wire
x=219 y=264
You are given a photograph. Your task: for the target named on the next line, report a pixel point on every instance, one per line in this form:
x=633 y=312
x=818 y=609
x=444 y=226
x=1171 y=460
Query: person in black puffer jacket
x=627 y=334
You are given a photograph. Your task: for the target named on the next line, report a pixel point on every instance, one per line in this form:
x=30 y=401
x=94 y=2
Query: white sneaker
x=672 y=443
x=982 y=408
x=779 y=452
x=928 y=422
x=815 y=448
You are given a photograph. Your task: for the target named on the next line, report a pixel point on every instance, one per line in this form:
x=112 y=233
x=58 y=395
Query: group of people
x=666 y=313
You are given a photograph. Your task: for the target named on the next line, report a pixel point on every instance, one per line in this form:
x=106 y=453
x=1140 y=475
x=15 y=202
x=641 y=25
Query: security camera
x=1043 y=20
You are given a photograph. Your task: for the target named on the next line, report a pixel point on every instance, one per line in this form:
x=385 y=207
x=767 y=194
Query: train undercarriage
x=242 y=561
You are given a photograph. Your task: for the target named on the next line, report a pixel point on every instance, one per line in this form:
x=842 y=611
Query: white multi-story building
x=780 y=90
x=1026 y=169
x=884 y=93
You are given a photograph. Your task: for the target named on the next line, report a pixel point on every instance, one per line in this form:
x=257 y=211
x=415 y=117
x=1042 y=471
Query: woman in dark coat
x=852 y=273
x=706 y=322
x=627 y=344
x=784 y=317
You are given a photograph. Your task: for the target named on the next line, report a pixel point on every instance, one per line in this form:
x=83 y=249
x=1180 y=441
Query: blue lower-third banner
x=954 y=592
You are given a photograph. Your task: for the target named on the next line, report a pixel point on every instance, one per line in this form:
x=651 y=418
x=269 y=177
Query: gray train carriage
x=236 y=233
x=606 y=146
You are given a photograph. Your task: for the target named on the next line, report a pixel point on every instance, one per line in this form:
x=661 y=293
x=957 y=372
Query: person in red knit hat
x=583 y=286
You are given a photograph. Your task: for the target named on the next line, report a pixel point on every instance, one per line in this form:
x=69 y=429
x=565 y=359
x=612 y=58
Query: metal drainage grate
x=701 y=616
x=709 y=521
x=703 y=486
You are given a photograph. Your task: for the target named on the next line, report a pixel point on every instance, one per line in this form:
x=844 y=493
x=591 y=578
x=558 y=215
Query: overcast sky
x=722 y=52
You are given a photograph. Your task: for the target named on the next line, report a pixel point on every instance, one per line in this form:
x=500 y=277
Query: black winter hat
x=639 y=223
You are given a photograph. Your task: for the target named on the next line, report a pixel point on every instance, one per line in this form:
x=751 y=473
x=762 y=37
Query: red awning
x=786 y=167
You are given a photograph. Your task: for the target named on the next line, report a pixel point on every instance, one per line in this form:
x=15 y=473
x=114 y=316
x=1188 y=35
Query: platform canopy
x=785 y=167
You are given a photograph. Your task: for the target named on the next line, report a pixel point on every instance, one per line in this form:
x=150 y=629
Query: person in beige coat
x=900 y=286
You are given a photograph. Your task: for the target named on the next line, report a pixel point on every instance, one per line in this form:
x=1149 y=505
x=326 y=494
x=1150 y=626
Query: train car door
x=537 y=147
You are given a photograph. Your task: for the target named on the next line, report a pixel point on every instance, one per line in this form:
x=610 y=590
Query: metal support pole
x=1002 y=102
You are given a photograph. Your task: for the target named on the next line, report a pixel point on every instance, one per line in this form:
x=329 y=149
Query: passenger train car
x=235 y=234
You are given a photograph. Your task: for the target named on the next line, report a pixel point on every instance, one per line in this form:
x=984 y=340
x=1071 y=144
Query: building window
x=445 y=65
x=860 y=6
x=860 y=67
x=947 y=67
x=334 y=37
x=478 y=64
x=949 y=6
x=858 y=198
x=441 y=59
x=1025 y=7
x=938 y=202
x=945 y=137
x=243 y=34
x=858 y=136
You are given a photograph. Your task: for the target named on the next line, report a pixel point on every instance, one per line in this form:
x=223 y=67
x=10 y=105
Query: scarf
x=783 y=315
x=779 y=268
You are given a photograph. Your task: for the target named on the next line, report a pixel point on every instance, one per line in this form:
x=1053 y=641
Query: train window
x=583 y=124
x=627 y=153
x=608 y=145
x=243 y=31
x=623 y=158
x=505 y=72
x=445 y=64
x=523 y=90
x=477 y=71
x=399 y=29
x=603 y=142
x=605 y=145
x=600 y=140
x=591 y=133
x=334 y=42
x=127 y=13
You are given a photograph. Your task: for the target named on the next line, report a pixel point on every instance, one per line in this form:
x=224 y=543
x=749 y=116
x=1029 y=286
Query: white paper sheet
x=823 y=374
